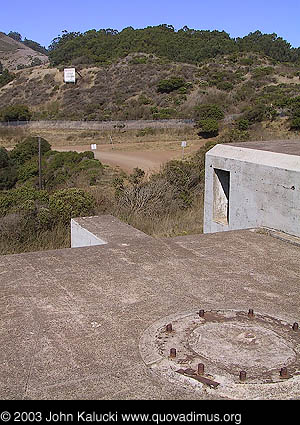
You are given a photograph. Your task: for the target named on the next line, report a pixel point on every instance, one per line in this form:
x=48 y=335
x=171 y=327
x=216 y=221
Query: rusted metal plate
x=191 y=373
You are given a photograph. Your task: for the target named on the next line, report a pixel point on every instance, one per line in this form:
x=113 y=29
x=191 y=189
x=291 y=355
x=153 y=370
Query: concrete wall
x=263 y=190
x=81 y=237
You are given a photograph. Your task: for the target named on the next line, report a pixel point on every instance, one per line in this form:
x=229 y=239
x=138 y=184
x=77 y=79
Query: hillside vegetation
x=17 y=54
x=185 y=45
x=73 y=184
x=160 y=73
x=234 y=90
x=144 y=87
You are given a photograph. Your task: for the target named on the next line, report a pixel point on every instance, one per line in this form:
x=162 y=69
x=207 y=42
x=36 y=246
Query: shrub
x=234 y=135
x=138 y=60
x=209 y=111
x=255 y=113
x=137 y=176
x=60 y=167
x=242 y=124
x=162 y=113
x=12 y=199
x=6 y=77
x=4 y=158
x=8 y=178
x=295 y=124
x=224 y=85
x=208 y=128
x=28 y=148
x=27 y=171
x=67 y=203
x=171 y=84
x=262 y=72
x=145 y=131
x=15 y=113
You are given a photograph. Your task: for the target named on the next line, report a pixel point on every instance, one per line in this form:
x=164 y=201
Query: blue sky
x=43 y=20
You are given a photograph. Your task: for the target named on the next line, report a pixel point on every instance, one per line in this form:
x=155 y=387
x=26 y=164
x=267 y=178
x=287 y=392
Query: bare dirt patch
x=128 y=157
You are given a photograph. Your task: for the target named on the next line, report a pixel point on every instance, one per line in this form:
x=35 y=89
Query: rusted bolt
x=173 y=352
x=283 y=372
x=250 y=312
x=201 y=313
x=243 y=375
x=200 y=369
x=295 y=326
x=169 y=327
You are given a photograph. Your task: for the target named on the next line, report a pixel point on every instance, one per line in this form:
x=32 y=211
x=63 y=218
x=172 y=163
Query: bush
x=234 y=135
x=27 y=171
x=6 y=78
x=225 y=85
x=242 y=124
x=12 y=199
x=15 y=113
x=162 y=113
x=295 y=124
x=27 y=149
x=208 y=128
x=171 y=84
x=209 y=111
x=60 y=167
x=8 y=178
x=4 y=158
x=67 y=203
x=262 y=72
x=255 y=113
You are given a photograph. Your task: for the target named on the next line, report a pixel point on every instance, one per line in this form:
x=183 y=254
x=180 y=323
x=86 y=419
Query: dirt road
x=149 y=160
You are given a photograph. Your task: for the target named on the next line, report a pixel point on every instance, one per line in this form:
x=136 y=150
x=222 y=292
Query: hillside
x=14 y=54
x=143 y=86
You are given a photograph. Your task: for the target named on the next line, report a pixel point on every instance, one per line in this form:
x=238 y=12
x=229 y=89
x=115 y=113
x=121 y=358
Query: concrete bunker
x=253 y=185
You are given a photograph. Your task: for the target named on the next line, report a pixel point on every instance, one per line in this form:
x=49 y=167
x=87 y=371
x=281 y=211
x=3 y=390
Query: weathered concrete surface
x=264 y=190
x=288 y=147
x=100 y=230
x=71 y=320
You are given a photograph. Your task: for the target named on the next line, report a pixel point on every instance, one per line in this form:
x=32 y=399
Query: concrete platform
x=72 y=321
x=288 y=147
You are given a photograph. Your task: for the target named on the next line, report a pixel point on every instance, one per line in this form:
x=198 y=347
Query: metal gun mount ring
x=235 y=354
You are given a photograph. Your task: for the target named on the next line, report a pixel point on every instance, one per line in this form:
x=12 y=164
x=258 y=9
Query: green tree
x=15 y=35
x=35 y=46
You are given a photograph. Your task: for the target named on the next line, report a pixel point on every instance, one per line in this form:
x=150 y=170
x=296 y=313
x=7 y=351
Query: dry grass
x=58 y=237
x=9 y=136
x=180 y=223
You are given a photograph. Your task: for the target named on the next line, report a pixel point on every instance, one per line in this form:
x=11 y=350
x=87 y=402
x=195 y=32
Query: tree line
x=185 y=45
x=29 y=43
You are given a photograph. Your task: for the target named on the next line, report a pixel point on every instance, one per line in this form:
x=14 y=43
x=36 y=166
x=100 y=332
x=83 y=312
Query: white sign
x=183 y=144
x=69 y=75
x=93 y=146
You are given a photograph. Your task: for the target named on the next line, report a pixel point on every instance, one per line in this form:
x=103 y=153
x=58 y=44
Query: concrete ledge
x=104 y=229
